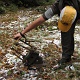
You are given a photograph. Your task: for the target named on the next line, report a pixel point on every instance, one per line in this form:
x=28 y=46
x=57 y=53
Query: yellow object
x=67 y=17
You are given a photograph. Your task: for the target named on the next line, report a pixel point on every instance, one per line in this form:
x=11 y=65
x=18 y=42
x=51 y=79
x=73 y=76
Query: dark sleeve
x=54 y=9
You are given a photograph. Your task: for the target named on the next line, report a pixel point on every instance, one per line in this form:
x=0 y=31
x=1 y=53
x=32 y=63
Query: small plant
x=12 y=8
x=2 y=10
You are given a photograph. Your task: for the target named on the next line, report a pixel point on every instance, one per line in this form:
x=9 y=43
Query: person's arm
x=48 y=14
x=34 y=24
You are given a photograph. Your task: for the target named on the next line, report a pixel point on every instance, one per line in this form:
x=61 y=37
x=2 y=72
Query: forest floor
x=46 y=38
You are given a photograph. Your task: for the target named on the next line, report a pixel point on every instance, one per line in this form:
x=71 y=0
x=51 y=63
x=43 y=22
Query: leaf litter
x=48 y=42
